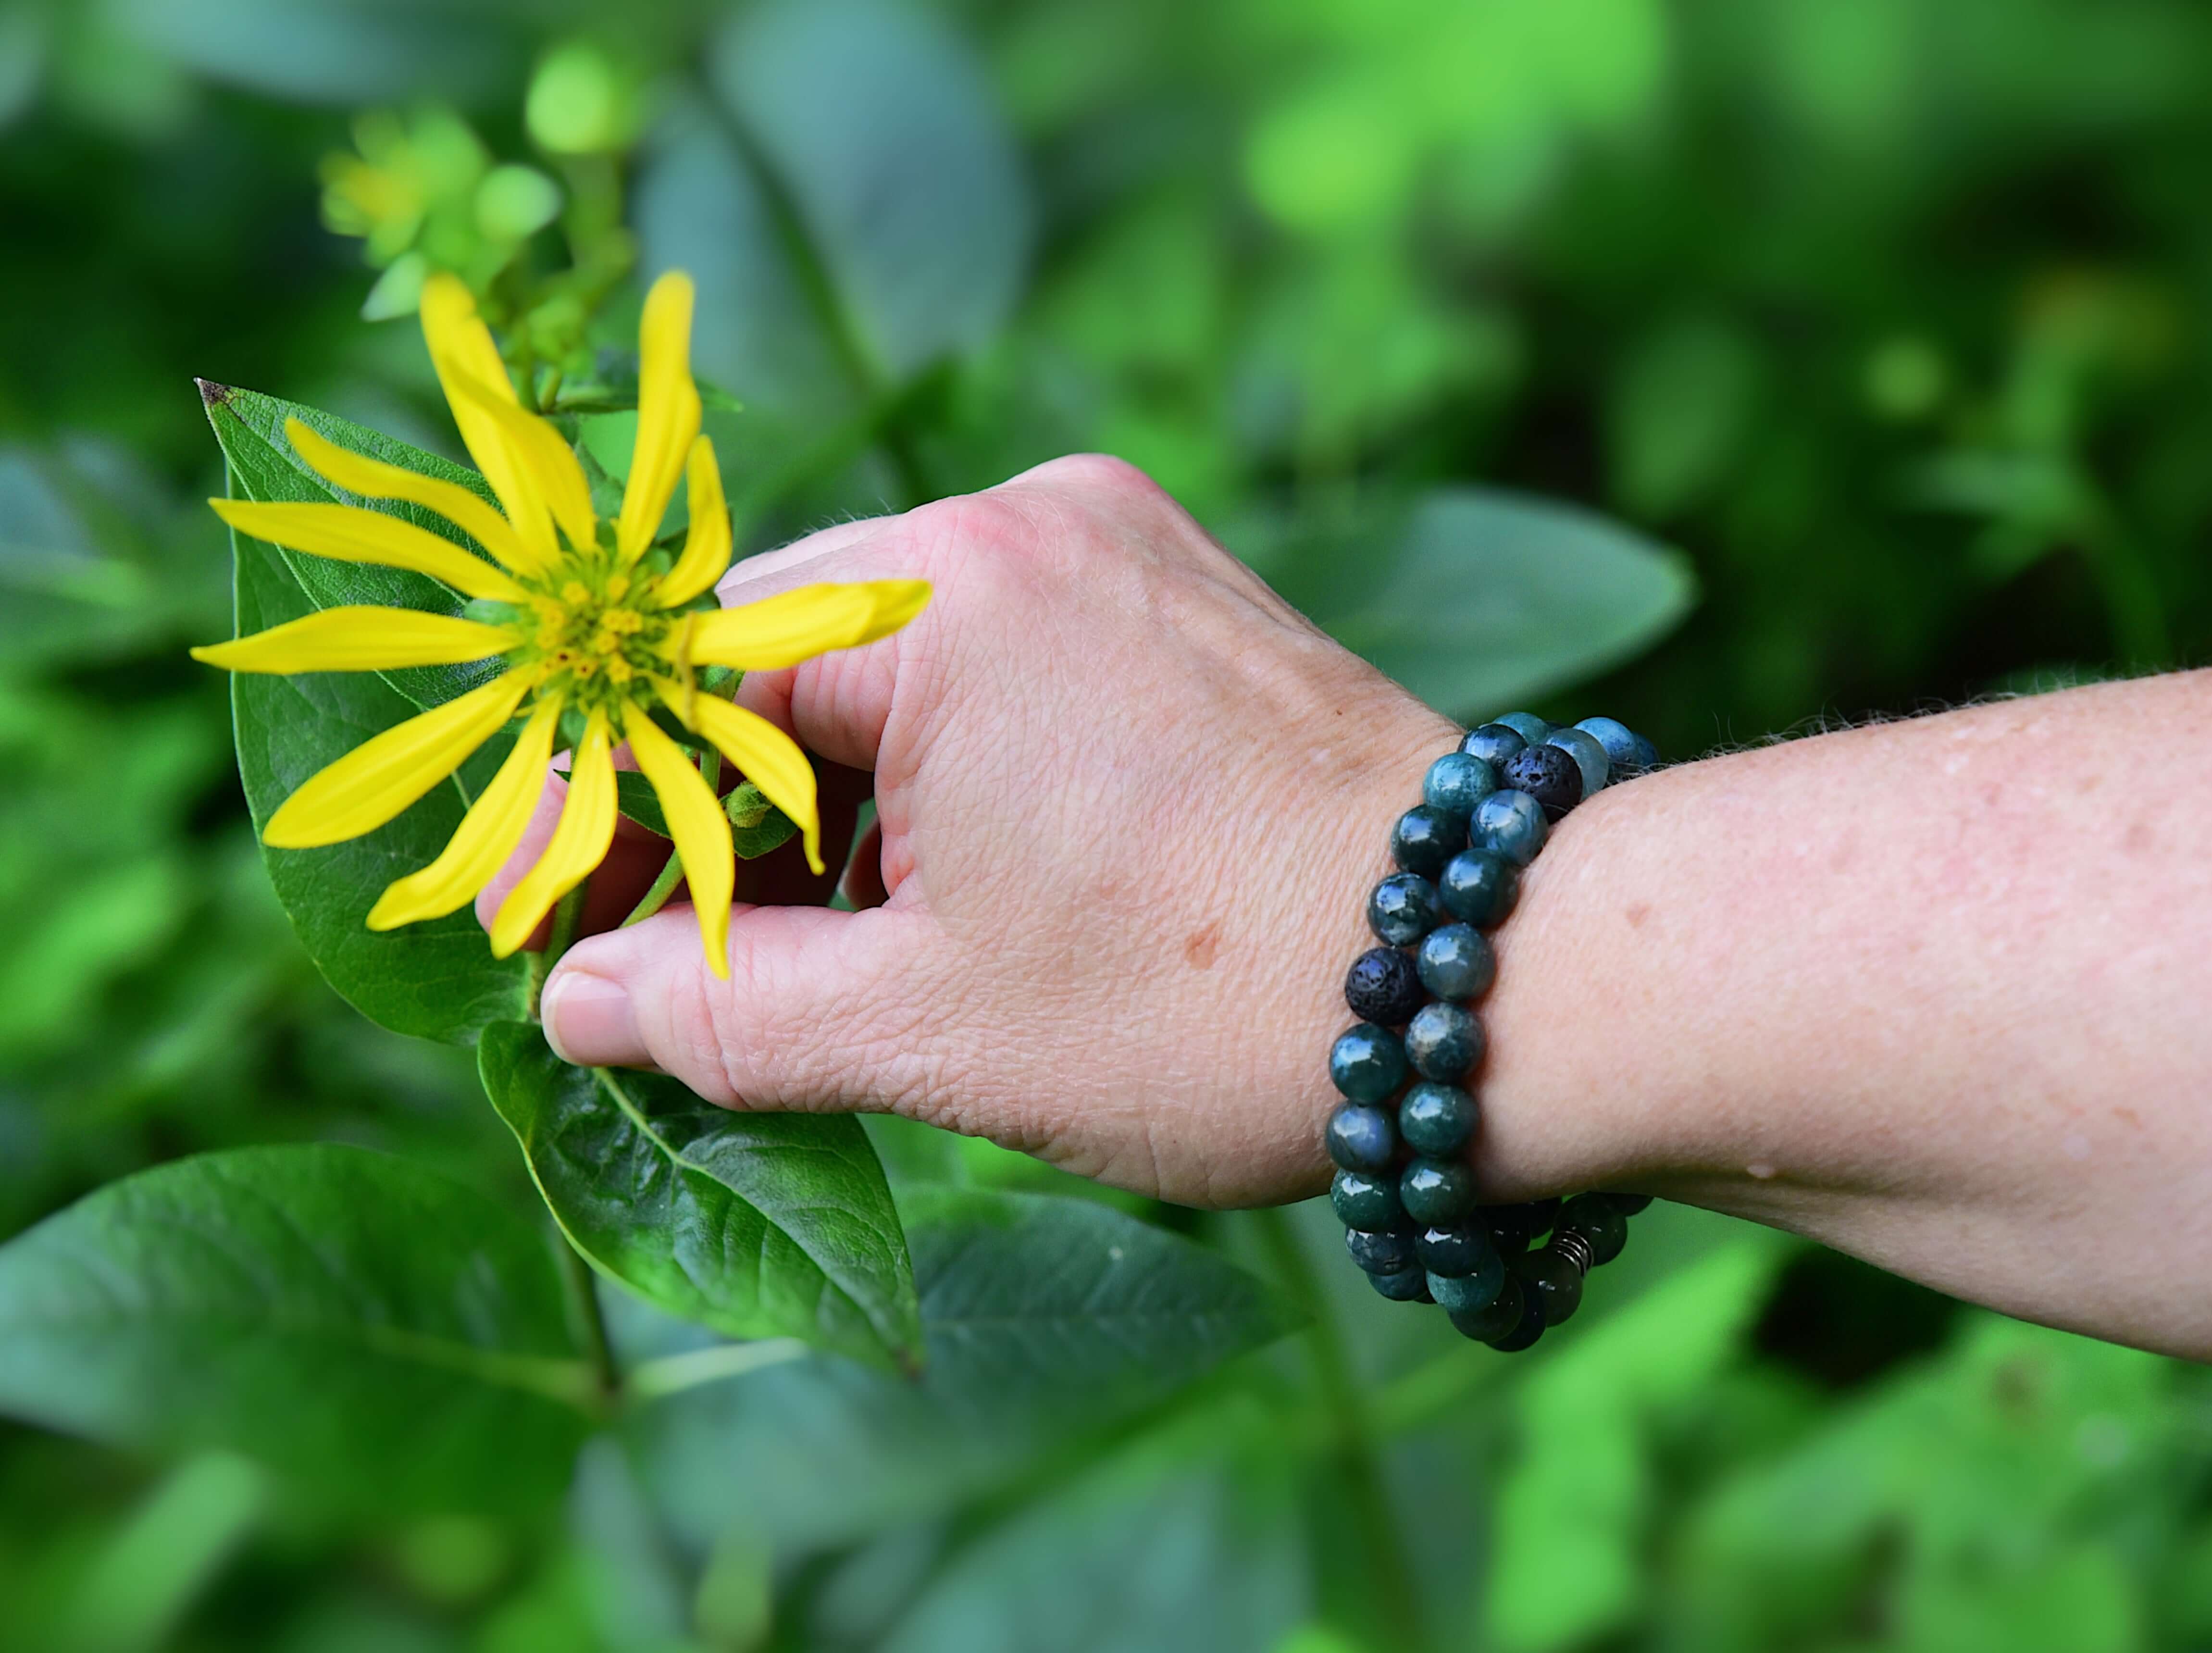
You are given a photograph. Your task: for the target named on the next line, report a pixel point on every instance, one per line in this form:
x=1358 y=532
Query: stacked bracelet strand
x=1401 y=1139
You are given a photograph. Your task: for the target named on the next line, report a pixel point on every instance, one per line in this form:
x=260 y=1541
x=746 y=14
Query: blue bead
x=1390 y=1252
x=1411 y=1285
x=1366 y=1202
x=1469 y=1294
x=1589 y=756
x=1647 y=756
x=1425 y=838
x=1436 y=1120
x=1511 y=824
x=1501 y=1317
x=1480 y=887
x=1456 y=783
x=1367 y=1062
x=1360 y=1139
x=1456 y=963
x=1444 y=1043
x=1437 y=1192
x=1404 y=908
x=1493 y=744
x=1452 y=1248
x=1619 y=741
x=1527 y=724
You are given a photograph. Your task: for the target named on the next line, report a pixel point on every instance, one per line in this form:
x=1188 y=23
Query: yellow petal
x=706 y=547
x=462 y=352
x=380 y=777
x=578 y=842
x=800 y=624
x=360 y=638
x=768 y=758
x=546 y=465
x=353 y=534
x=667 y=412
x=486 y=836
x=374 y=480
x=700 y=827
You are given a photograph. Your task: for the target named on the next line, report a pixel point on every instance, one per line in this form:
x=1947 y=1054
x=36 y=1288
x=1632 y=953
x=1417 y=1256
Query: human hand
x=1129 y=805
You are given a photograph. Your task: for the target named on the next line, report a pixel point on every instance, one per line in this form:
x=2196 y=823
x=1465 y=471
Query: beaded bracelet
x=1404 y=1186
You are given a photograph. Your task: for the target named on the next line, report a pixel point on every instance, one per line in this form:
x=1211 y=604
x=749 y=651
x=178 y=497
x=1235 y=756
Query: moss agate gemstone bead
x=1589 y=756
x=1436 y=1120
x=1554 y=1280
x=1389 y=1252
x=1360 y=1138
x=1408 y=1285
x=1437 y=1192
x=1425 y=838
x=1493 y=743
x=1452 y=1248
x=1404 y=908
x=1367 y=1063
x=1628 y=1205
x=1501 y=1317
x=1383 y=986
x=1455 y=963
x=1511 y=822
x=1527 y=724
x=1444 y=1043
x=1476 y=1290
x=1600 y=1223
x=1548 y=775
x=1366 y=1201
x=1527 y=1329
x=1456 y=783
x=1480 y=887
x=1512 y=1227
x=1623 y=759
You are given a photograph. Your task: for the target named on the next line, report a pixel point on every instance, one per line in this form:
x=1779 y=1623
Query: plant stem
x=568 y=913
x=1390 y=1604
x=583 y=1293
x=657 y=898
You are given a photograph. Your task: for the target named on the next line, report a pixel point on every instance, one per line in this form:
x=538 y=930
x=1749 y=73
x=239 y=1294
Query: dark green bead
x=1390 y=1252
x=1512 y=1227
x=1452 y=1248
x=1527 y=724
x=1500 y=1316
x=1478 y=887
x=1511 y=822
x=1455 y=963
x=1436 y=1191
x=1444 y=1043
x=1527 y=1329
x=1360 y=1138
x=1628 y=1205
x=1404 y=908
x=1476 y=1290
x=1367 y=1063
x=1599 y=1222
x=1425 y=838
x=1493 y=743
x=1408 y=1285
x=1589 y=754
x=1556 y=1281
x=1365 y=1202
x=1456 y=783
x=1436 y=1120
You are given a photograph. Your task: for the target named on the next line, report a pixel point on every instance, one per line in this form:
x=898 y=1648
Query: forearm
x=1938 y=992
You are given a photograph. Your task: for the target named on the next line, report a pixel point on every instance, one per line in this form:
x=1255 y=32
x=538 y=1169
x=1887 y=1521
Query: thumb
x=819 y=1013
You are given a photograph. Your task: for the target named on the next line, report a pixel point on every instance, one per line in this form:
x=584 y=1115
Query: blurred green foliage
x=1885 y=312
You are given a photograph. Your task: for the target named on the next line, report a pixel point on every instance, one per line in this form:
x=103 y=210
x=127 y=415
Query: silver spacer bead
x=1571 y=1244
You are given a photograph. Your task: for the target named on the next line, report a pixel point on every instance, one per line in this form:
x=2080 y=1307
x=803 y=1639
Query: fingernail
x=588 y=1021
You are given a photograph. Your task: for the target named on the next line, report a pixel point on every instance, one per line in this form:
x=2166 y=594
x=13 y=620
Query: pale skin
x=1938 y=993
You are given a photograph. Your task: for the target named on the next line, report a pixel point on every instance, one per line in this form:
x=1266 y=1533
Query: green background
x=1885 y=315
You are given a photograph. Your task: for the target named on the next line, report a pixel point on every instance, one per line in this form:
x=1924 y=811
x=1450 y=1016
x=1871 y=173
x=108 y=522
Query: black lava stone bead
x=1554 y=1280
x=1405 y=906
x=1407 y=1285
x=1436 y=1120
x=1453 y=1248
x=1444 y=1043
x=1390 y=1252
x=1383 y=986
x=1365 y=1202
x=1493 y=744
x=1425 y=838
x=1547 y=775
x=1502 y=1316
x=1360 y=1139
x=1478 y=887
x=1600 y=1223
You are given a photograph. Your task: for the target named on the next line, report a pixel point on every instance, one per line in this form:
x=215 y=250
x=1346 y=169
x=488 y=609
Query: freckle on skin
x=2130 y=1115
x=1203 y=948
x=1638 y=912
x=2139 y=838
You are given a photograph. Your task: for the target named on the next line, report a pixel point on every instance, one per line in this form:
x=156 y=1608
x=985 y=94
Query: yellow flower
x=590 y=618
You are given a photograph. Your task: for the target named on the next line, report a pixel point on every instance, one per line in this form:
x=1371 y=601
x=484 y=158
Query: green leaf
x=264 y=466
x=1046 y=1320
x=752 y=1224
x=1479 y=599
x=436 y=980
x=382 y=1334
x=635 y=798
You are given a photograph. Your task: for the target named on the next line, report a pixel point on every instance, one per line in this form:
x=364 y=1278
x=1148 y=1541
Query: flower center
x=594 y=638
